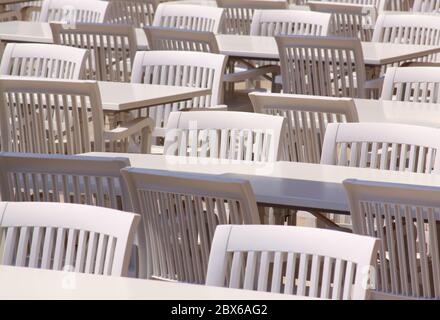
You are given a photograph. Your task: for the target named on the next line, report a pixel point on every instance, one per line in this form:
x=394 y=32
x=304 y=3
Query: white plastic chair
x=73 y=11
x=137 y=13
x=183 y=68
x=239 y=13
x=112 y=48
x=348 y=20
x=70 y=237
x=426 y=6
x=322 y=66
x=406 y=219
x=180 y=213
x=224 y=135
x=188 y=17
x=306 y=120
x=60 y=178
x=292 y=260
x=415 y=84
x=408 y=29
x=61 y=117
x=43 y=61
x=385 y=146
x=287 y=22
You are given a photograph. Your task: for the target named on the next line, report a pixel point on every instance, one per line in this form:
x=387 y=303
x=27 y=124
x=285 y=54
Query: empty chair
x=112 y=48
x=43 y=61
x=307 y=118
x=408 y=29
x=349 y=20
x=292 y=260
x=64 y=178
x=190 y=69
x=61 y=117
x=137 y=13
x=239 y=13
x=415 y=84
x=322 y=66
x=73 y=11
x=160 y=38
x=224 y=135
x=286 y=22
x=406 y=219
x=385 y=146
x=70 y=237
x=426 y=6
x=179 y=215
x=188 y=17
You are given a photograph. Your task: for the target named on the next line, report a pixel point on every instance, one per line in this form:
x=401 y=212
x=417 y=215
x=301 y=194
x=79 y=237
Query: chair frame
x=68 y=221
x=44 y=59
x=295 y=241
x=297 y=109
x=71 y=17
x=225 y=120
x=408 y=136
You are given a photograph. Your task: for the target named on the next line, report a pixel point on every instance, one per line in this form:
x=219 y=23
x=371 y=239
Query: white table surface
x=253 y=47
x=422 y=114
x=121 y=96
x=375 y=53
x=26 y=283
x=297 y=185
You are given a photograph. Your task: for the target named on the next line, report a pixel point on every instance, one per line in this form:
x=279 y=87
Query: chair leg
x=326 y=223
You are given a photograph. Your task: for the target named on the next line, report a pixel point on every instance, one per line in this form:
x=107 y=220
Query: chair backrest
x=60 y=178
x=385 y=146
x=322 y=66
x=50 y=116
x=239 y=13
x=10 y=16
x=160 y=38
x=415 y=84
x=408 y=29
x=71 y=237
x=112 y=48
x=224 y=135
x=426 y=6
x=406 y=219
x=349 y=20
x=307 y=118
x=190 y=69
x=43 y=61
x=137 y=13
x=286 y=22
x=179 y=215
x=189 y=17
x=73 y=11
x=292 y=260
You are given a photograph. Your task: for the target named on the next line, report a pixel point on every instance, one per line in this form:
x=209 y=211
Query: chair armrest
x=251 y=73
x=144 y=126
x=376 y=83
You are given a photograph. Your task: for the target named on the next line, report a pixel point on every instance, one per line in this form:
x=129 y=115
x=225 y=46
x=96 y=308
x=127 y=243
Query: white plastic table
x=423 y=114
x=26 y=283
x=122 y=96
x=288 y=184
x=252 y=47
x=375 y=53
